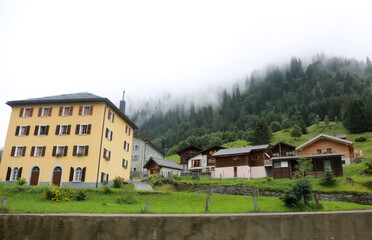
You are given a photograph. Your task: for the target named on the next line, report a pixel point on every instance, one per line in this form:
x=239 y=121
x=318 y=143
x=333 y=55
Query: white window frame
x=39 y=130
x=38 y=151
x=66 y=113
x=126 y=146
x=127 y=130
x=109 y=134
x=44 y=110
x=14 y=175
x=78 y=152
x=60 y=150
x=104 y=179
x=18 y=151
x=78 y=175
x=84 y=109
x=24 y=112
x=61 y=129
x=111 y=119
x=125 y=163
x=281 y=164
x=81 y=128
x=106 y=154
x=20 y=131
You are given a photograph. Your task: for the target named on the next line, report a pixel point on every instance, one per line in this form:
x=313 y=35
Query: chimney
x=122 y=104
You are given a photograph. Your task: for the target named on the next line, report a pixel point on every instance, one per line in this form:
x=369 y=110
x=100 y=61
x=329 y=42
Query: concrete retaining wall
x=336 y=225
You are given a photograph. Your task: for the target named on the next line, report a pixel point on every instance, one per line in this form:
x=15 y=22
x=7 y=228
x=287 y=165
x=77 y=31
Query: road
x=138 y=185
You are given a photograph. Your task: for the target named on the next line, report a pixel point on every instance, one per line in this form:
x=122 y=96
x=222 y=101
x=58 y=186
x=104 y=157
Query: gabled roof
x=239 y=151
x=205 y=150
x=308 y=156
x=162 y=163
x=81 y=97
x=149 y=142
x=190 y=146
x=321 y=136
x=283 y=143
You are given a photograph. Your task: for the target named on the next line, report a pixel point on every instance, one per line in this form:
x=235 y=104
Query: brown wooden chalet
x=203 y=161
x=186 y=152
x=282 y=149
x=159 y=166
x=246 y=162
x=284 y=167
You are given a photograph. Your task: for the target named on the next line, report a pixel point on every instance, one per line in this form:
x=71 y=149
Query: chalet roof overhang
x=323 y=136
x=314 y=156
x=283 y=143
x=162 y=163
x=240 y=151
x=205 y=150
x=149 y=142
x=72 y=98
x=188 y=147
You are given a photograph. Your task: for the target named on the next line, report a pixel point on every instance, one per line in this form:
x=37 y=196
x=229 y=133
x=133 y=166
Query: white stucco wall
x=164 y=171
x=258 y=172
x=347 y=160
x=197 y=157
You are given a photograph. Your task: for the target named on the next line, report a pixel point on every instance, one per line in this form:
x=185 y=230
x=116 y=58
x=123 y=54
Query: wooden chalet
x=282 y=149
x=159 y=166
x=203 y=161
x=284 y=167
x=246 y=162
x=186 y=152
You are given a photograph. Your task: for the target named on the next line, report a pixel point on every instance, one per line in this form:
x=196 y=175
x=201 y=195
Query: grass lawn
x=30 y=200
x=174 y=158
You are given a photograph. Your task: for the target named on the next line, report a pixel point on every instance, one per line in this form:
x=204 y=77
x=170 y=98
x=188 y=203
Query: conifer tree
x=261 y=133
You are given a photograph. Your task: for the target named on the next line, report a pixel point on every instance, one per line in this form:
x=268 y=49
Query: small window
x=134 y=169
x=125 y=163
x=67 y=111
x=329 y=150
x=86 y=110
x=64 y=129
x=27 y=112
x=110 y=116
x=41 y=130
x=109 y=134
x=104 y=177
x=60 y=150
x=135 y=157
x=45 y=112
x=135 y=147
x=127 y=130
x=38 y=151
x=106 y=154
x=22 y=130
x=18 y=151
x=319 y=151
x=126 y=146
x=77 y=174
x=277 y=165
x=81 y=150
x=84 y=129
x=343 y=161
x=14 y=175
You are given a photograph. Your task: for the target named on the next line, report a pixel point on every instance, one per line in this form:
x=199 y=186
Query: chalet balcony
x=286 y=154
x=268 y=163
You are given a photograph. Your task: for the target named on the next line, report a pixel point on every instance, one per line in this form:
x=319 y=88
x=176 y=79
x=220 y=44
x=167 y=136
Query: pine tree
x=326 y=120
x=261 y=133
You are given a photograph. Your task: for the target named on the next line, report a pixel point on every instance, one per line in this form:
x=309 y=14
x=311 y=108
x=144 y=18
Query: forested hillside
x=328 y=88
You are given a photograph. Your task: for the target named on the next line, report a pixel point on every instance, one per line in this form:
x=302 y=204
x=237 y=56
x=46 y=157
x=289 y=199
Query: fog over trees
x=333 y=88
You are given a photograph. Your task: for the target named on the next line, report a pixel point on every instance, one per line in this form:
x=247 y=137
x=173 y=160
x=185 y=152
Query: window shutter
x=24 y=151
x=21 y=112
x=77 y=129
x=129 y=131
x=19 y=173
x=89 y=127
x=40 y=110
x=27 y=130
x=107 y=177
x=71 y=174
x=8 y=174
x=101 y=176
x=113 y=117
x=83 y=174
x=80 y=110
x=50 y=111
x=86 y=150
x=109 y=155
x=104 y=152
x=65 y=151
x=32 y=110
x=108 y=115
x=71 y=110
x=68 y=129
x=32 y=151
x=106 y=135
x=47 y=130
x=91 y=109
x=43 y=152
x=74 y=151
x=57 y=129
x=60 y=111
x=112 y=133
x=17 y=131
x=36 y=130
x=54 y=151
x=13 y=151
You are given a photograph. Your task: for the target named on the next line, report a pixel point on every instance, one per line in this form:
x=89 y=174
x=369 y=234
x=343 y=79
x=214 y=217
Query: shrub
x=81 y=196
x=368 y=167
x=368 y=185
x=328 y=180
x=107 y=190
x=17 y=189
x=118 y=183
x=58 y=194
x=361 y=139
x=299 y=196
x=128 y=195
x=21 y=181
x=176 y=177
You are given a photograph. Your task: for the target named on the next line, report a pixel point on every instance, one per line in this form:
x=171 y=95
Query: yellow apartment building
x=77 y=140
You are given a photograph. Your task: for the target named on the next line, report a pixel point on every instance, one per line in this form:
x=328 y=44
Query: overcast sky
x=150 y=47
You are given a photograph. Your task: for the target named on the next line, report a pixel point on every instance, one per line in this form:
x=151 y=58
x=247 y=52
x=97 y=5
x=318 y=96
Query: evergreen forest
x=326 y=89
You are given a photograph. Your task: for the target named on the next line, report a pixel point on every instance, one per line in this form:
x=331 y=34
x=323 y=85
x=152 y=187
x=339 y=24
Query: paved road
x=138 y=185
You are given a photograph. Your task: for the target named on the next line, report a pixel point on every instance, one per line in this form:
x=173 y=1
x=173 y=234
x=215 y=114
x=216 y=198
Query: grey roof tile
x=236 y=151
x=164 y=163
